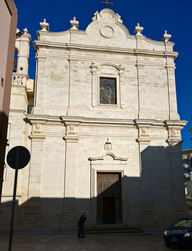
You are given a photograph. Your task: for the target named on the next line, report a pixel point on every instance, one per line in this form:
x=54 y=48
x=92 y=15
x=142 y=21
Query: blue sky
x=155 y=16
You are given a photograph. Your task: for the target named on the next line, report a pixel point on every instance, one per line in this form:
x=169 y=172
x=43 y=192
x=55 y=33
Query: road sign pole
x=13 y=203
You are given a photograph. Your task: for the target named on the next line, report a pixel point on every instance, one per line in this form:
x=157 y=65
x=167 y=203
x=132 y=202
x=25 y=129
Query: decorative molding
x=108 y=145
x=121 y=70
x=73 y=58
x=70 y=46
x=174 y=128
x=107 y=31
x=108 y=154
x=143 y=126
x=109 y=60
x=38 y=129
x=41 y=56
x=115 y=18
x=144 y=141
x=140 y=65
x=71 y=138
x=37 y=137
x=71 y=134
x=18 y=110
x=38 y=126
x=94 y=68
x=97 y=73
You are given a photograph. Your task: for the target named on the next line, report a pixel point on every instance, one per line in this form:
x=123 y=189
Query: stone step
x=113 y=230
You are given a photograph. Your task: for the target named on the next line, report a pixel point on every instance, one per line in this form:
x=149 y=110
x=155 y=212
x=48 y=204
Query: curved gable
x=106 y=28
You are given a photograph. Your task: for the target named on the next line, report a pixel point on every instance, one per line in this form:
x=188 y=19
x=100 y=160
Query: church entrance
x=109 y=209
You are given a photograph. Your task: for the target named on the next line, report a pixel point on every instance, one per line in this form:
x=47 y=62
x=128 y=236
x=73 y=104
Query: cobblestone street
x=70 y=242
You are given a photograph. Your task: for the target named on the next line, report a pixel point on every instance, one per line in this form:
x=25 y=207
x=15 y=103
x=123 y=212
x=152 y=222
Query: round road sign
x=21 y=153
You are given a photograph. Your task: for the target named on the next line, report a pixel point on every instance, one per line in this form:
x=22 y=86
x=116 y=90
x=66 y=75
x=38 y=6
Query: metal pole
x=13 y=203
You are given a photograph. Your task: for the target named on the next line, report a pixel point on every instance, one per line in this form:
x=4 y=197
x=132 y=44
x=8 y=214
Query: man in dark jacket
x=81 y=225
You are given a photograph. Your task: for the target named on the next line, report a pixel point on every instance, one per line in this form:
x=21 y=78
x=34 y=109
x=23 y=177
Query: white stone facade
x=72 y=136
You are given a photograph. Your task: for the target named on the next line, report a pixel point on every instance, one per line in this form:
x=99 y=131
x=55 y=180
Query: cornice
x=148 y=122
x=137 y=63
x=144 y=141
x=71 y=46
x=71 y=138
x=36 y=137
x=37 y=117
x=113 y=121
x=172 y=123
x=66 y=119
x=18 y=110
x=87 y=120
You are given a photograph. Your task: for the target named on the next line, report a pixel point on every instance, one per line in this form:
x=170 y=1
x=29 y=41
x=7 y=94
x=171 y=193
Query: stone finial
x=25 y=30
x=44 y=26
x=138 y=30
x=25 y=34
x=166 y=37
x=96 y=15
x=119 y=18
x=74 y=24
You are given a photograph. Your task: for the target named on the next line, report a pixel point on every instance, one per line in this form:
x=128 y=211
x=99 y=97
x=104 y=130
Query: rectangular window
x=108 y=91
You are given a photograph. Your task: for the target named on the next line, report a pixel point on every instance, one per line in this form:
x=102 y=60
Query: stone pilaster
x=175 y=161
x=142 y=106
x=94 y=69
x=173 y=114
x=143 y=139
x=40 y=86
x=73 y=82
x=122 y=91
x=69 y=215
x=177 y=185
x=37 y=141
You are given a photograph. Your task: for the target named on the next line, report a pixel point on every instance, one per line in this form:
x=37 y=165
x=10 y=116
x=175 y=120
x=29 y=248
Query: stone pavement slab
x=70 y=242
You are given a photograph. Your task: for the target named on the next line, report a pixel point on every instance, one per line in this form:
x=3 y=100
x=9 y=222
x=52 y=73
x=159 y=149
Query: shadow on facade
x=150 y=201
x=3 y=144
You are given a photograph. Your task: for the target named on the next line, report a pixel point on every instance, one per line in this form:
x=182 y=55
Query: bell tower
x=22 y=47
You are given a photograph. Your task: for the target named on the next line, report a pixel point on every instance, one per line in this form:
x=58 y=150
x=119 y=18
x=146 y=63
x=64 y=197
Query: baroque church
x=100 y=121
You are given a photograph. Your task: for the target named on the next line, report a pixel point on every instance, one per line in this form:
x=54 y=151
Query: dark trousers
x=81 y=232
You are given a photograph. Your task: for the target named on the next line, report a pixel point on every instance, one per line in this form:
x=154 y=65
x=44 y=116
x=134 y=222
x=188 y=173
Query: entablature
x=75 y=46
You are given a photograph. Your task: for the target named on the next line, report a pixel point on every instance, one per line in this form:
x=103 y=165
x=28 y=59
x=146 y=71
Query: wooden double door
x=109 y=209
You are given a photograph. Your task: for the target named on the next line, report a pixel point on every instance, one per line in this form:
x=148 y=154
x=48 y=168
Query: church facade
x=101 y=124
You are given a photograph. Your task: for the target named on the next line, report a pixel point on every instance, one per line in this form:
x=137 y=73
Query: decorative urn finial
x=74 y=24
x=166 y=37
x=138 y=30
x=44 y=26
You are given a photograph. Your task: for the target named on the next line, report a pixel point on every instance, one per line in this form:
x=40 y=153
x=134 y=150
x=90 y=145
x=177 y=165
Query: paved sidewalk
x=70 y=242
